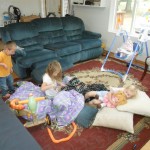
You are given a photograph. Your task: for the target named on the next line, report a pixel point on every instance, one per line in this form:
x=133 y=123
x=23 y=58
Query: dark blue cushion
x=91 y=35
x=22 y=30
x=86 y=116
x=4 y=34
x=38 y=71
x=73 y=27
x=32 y=57
x=48 y=24
x=33 y=47
x=89 y=43
x=64 y=48
x=26 y=42
x=20 y=53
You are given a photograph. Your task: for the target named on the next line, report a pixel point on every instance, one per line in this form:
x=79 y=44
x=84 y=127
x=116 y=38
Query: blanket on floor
x=64 y=107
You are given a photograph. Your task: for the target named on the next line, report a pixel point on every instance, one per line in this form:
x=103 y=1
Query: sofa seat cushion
x=89 y=43
x=38 y=72
x=26 y=51
x=33 y=47
x=32 y=57
x=64 y=48
x=43 y=63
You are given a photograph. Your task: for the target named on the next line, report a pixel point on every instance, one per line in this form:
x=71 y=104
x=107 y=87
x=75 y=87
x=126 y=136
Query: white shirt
x=50 y=92
x=47 y=79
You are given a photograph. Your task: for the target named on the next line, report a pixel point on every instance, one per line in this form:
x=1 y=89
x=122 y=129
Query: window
x=131 y=14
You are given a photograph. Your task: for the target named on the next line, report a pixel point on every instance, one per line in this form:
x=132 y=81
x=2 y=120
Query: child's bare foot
x=96 y=96
x=99 y=106
x=7 y=96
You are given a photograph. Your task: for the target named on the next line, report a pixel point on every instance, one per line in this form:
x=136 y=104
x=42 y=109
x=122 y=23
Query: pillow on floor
x=137 y=105
x=86 y=116
x=112 y=118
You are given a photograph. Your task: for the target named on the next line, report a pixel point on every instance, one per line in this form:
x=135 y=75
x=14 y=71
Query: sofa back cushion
x=73 y=27
x=24 y=34
x=4 y=35
x=21 y=31
x=50 y=30
x=27 y=42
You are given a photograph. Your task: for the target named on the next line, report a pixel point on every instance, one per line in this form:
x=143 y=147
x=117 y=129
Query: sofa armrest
x=89 y=34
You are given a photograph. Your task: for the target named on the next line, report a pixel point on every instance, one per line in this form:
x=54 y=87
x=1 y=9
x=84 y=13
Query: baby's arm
x=111 y=99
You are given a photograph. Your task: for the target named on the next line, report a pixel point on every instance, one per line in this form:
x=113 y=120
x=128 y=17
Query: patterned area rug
x=101 y=138
x=108 y=79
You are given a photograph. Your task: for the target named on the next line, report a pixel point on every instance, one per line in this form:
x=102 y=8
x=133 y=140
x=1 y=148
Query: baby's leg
x=95 y=102
x=90 y=94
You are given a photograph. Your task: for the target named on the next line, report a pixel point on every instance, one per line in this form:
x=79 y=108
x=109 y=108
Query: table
x=13 y=135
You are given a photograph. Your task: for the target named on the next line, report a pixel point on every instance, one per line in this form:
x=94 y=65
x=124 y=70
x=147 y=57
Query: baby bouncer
x=128 y=51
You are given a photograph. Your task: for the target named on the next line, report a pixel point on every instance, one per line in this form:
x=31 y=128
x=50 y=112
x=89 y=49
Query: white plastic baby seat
x=125 y=52
x=124 y=55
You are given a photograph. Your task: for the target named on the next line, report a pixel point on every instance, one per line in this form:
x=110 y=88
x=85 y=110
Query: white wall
x=97 y=20
x=27 y=7
x=53 y=6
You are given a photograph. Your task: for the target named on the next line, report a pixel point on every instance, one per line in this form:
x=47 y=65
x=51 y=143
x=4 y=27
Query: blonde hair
x=133 y=89
x=52 y=67
x=8 y=45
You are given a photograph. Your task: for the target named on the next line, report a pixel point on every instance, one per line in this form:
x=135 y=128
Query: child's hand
x=51 y=86
x=11 y=70
x=115 y=100
x=5 y=66
x=61 y=84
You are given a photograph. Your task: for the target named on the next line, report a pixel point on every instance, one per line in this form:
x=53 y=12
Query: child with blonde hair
x=6 y=79
x=52 y=79
x=111 y=99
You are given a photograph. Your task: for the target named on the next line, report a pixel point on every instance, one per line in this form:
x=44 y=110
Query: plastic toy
x=63 y=139
x=19 y=104
x=32 y=104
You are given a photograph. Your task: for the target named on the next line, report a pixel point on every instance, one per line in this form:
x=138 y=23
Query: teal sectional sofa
x=45 y=39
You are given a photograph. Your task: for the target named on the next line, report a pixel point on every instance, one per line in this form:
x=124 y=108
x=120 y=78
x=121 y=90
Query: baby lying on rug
x=111 y=99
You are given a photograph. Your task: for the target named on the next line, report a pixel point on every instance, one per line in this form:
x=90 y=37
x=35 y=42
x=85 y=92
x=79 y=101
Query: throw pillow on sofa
x=19 y=52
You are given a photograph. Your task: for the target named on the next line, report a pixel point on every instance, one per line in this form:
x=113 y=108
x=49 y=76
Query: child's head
x=10 y=48
x=130 y=91
x=54 y=70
